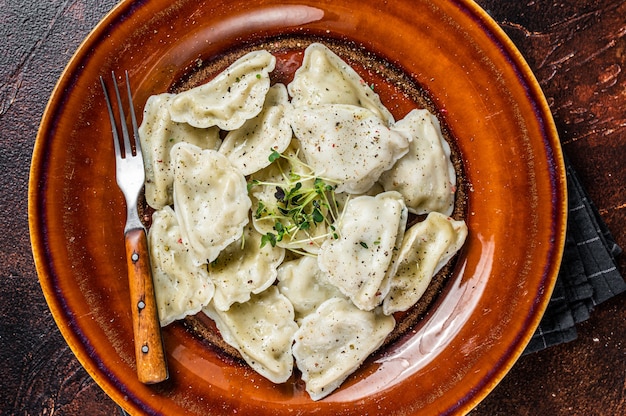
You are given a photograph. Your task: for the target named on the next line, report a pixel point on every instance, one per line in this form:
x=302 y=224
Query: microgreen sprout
x=274 y=156
x=301 y=202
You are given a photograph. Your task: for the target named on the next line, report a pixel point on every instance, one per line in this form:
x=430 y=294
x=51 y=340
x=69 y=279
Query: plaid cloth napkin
x=588 y=274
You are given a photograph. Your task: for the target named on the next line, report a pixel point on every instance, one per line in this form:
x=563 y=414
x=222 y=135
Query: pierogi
x=347 y=144
x=231 y=98
x=183 y=287
x=281 y=212
x=210 y=198
x=361 y=261
x=247 y=146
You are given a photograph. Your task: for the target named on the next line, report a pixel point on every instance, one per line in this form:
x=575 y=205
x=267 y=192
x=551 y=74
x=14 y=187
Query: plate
x=465 y=68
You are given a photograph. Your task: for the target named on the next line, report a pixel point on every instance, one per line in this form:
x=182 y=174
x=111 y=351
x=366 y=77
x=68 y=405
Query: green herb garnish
x=274 y=156
x=300 y=203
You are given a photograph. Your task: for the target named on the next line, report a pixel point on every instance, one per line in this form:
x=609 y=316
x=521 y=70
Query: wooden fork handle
x=149 y=350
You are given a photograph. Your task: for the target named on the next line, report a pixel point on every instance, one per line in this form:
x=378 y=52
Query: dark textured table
x=577 y=50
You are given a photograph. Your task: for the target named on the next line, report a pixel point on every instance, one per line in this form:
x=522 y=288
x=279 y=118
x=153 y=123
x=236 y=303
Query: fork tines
x=129 y=149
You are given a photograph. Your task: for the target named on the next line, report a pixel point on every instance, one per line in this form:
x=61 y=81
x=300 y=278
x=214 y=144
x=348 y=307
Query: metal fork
x=130 y=175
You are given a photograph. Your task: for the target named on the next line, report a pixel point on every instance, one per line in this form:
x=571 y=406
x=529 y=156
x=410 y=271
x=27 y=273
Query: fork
x=130 y=176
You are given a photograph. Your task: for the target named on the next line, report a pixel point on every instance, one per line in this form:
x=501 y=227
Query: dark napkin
x=588 y=275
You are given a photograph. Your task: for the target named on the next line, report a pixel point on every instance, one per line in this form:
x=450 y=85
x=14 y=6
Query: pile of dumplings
x=326 y=301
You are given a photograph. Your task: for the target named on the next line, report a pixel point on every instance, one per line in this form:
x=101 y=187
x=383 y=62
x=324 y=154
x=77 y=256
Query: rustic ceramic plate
x=468 y=72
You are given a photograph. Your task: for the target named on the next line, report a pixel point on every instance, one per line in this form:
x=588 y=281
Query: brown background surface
x=577 y=50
